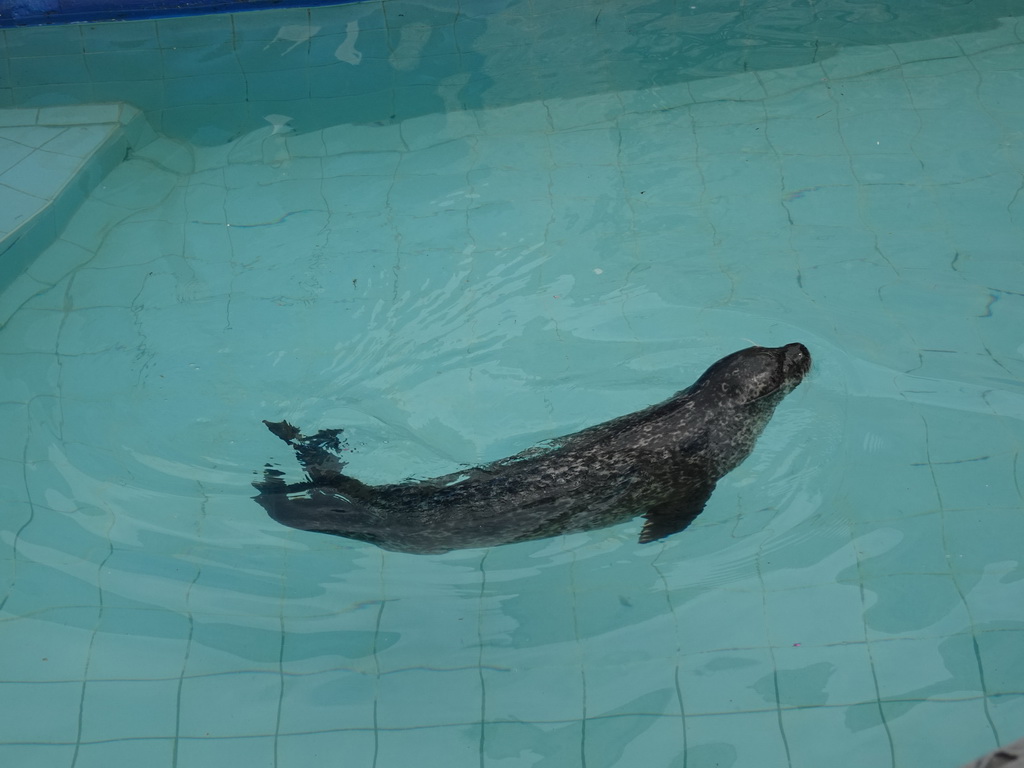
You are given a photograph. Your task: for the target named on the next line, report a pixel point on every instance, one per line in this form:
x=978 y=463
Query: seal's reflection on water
x=662 y=462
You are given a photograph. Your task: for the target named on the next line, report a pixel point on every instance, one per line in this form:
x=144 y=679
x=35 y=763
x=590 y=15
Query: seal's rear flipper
x=673 y=516
x=283 y=429
x=318 y=456
x=324 y=440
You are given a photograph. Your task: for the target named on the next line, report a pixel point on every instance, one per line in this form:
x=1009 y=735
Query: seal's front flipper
x=673 y=516
x=318 y=455
x=320 y=464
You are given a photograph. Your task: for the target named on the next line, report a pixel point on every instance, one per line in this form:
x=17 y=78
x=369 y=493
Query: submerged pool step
x=51 y=158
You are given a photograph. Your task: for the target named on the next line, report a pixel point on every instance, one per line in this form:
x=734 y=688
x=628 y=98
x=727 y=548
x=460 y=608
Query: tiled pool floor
x=455 y=287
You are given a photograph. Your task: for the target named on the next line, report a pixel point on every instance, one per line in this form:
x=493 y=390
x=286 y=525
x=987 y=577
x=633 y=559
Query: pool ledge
x=51 y=158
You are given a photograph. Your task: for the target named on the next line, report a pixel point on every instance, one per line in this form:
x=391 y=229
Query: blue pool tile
x=724 y=632
x=459 y=744
x=208 y=750
x=125 y=65
x=369 y=14
x=44 y=40
x=212 y=707
x=516 y=743
x=46 y=713
x=987 y=482
x=217 y=125
x=414 y=100
x=219 y=645
x=121 y=36
x=455 y=155
x=1005 y=712
x=361 y=138
x=888 y=132
x=194 y=31
x=815 y=615
x=43 y=174
x=79 y=141
x=49 y=754
x=31 y=136
x=19 y=118
x=11 y=152
x=359 y=746
x=408 y=651
x=271 y=207
x=804 y=175
x=12 y=454
x=803 y=137
x=35 y=653
x=94 y=330
x=627 y=734
x=49 y=95
x=811 y=731
x=284 y=58
x=643 y=140
x=720 y=682
x=19 y=207
x=126 y=752
x=926 y=604
x=339 y=699
x=280 y=86
x=359 y=163
x=48 y=70
x=129 y=709
x=943 y=668
x=182 y=65
x=546 y=692
x=36 y=366
x=119 y=187
x=839 y=674
x=955 y=723
x=635 y=740
x=407 y=698
x=585 y=181
x=344 y=47
x=607 y=608
x=92 y=222
x=969 y=549
x=939 y=48
x=711 y=738
x=267 y=26
x=145 y=93
x=912 y=545
x=1000 y=661
x=44 y=587
x=931 y=86
x=212 y=90
x=139 y=644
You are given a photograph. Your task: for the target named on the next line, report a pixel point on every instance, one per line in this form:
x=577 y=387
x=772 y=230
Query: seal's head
x=754 y=373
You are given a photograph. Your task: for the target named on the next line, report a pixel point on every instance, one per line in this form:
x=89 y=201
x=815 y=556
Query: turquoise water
x=455 y=269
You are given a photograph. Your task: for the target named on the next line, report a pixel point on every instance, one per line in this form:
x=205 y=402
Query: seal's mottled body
x=661 y=462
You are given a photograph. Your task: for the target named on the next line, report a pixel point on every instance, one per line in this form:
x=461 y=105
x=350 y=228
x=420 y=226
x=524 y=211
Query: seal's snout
x=796 y=361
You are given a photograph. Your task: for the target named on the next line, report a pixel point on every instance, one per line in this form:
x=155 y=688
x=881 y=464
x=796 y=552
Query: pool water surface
x=453 y=270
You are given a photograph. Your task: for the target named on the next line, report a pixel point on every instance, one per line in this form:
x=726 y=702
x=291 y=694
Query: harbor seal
x=661 y=462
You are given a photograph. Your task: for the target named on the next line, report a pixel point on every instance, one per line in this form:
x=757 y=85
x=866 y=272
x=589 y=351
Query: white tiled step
x=51 y=158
